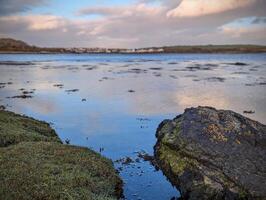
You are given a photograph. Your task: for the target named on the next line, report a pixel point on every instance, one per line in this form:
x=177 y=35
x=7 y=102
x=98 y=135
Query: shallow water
x=125 y=97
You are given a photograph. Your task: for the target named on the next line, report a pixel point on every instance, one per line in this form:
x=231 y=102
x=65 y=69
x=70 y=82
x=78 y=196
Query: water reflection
x=114 y=91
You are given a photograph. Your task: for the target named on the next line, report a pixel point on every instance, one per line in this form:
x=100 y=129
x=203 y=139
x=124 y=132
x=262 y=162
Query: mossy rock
x=16 y=128
x=213 y=154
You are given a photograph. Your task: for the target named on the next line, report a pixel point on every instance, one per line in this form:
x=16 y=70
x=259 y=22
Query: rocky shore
x=35 y=164
x=213 y=154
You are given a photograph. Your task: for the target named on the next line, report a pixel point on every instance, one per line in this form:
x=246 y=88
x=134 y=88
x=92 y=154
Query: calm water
x=124 y=122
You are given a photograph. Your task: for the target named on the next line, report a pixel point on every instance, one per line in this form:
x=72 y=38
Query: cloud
x=144 y=23
x=9 y=7
x=45 y=22
x=240 y=31
x=195 y=8
x=256 y=31
x=103 y=11
x=34 y=22
x=244 y=29
x=136 y=9
x=166 y=3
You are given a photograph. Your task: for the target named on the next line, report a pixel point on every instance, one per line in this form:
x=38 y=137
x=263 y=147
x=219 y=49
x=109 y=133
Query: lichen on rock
x=213 y=154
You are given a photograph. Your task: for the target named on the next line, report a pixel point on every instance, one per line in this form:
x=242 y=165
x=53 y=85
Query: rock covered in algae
x=213 y=154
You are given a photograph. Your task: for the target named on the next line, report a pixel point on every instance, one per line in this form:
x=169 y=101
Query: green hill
x=9 y=44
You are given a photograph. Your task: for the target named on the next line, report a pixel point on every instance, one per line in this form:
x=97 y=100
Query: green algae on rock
x=213 y=154
x=44 y=168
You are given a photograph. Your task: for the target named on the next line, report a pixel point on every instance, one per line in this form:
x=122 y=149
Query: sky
x=133 y=23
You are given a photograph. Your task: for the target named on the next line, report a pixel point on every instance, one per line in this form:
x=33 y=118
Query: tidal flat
x=114 y=103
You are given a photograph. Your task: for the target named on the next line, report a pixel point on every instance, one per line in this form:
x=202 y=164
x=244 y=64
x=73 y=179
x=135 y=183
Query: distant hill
x=9 y=45
x=216 y=49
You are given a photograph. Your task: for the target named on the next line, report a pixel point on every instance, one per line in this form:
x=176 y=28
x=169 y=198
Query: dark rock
x=73 y=90
x=137 y=71
x=148 y=158
x=213 y=154
x=215 y=79
x=91 y=68
x=238 y=64
x=248 y=112
x=172 y=63
x=15 y=63
x=8 y=83
x=22 y=96
x=125 y=161
x=256 y=84
x=155 y=68
x=27 y=92
x=196 y=80
x=59 y=85
x=198 y=67
x=67 y=141
x=145 y=156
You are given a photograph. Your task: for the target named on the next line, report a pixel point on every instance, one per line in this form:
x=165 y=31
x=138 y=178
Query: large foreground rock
x=213 y=154
x=34 y=164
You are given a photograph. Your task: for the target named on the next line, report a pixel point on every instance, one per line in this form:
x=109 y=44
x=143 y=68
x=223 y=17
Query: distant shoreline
x=120 y=53
x=12 y=46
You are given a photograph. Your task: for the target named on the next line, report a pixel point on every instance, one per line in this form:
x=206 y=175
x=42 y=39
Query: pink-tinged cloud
x=195 y=8
x=45 y=22
x=136 y=9
x=141 y=25
x=36 y=22
x=240 y=31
